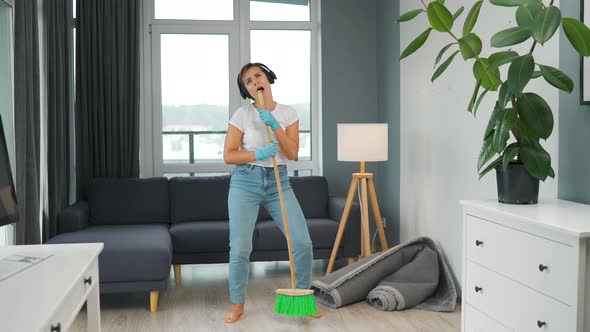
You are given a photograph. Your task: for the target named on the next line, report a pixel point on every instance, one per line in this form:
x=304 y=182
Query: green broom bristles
x=302 y=305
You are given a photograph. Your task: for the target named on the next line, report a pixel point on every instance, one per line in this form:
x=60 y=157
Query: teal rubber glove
x=268 y=118
x=270 y=150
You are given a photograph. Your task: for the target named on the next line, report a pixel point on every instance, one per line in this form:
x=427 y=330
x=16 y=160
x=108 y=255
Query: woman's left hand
x=268 y=118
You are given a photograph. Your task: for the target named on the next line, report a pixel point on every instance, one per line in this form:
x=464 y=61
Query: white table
x=48 y=295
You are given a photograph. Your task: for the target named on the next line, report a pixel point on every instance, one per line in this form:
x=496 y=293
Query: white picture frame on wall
x=585 y=61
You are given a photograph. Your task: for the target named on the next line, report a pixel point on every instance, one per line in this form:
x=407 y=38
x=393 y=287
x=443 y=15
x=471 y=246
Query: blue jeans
x=250 y=187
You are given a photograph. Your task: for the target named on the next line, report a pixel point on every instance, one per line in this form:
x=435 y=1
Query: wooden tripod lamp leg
x=342 y=226
x=377 y=214
x=366 y=242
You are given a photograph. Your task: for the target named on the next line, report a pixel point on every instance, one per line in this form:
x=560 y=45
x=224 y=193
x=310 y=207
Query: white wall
x=440 y=140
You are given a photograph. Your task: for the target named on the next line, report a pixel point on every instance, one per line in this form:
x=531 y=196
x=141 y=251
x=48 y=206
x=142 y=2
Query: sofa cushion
x=198 y=198
x=312 y=194
x=128 y=201
x=131 y=252
x=200 y=236
x=269 y=236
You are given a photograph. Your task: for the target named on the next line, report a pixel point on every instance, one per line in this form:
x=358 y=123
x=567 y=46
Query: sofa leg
x=154 y=301
x=177 y=274
x=351 y=260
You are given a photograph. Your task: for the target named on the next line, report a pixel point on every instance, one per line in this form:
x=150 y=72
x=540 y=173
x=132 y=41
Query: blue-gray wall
x=349 y=79
x=360 y=84
x=388 y=186
x=574 y=123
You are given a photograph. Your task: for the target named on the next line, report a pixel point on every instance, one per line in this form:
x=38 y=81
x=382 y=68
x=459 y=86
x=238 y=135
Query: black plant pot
x=516 y=185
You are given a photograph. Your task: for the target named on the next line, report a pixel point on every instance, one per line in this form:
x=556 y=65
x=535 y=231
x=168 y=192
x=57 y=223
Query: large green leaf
x=546 y=23
x=578 y=34
x=490 y=167
x=509 y=154
x=557 y=78
x=520 y=73
x=442 y=52
x=511 y=36
x=416 y=43
x=494 y=118
x=474 y=96
x=440 y=17
x=472 y=18
x=525 y=132
x=506 y=122
x=501 y=58
x=504 y=95
x=443 y=67
x=525 y=15
x=483 y=94
x=470 y=46
x=486 y=153
x=535 y=159
x=410 y=15
x=536 y=74
x=536 y=114
x=490 y=80
x=458 y=13
x=513 y=3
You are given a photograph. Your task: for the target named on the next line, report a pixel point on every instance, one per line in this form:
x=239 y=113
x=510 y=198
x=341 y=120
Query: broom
x=290 y=301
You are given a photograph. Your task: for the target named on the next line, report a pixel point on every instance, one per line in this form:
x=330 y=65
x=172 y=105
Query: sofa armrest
x=73 y=218
x=350 y=246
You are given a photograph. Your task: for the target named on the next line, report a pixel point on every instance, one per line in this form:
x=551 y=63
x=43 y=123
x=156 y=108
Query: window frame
x=8 y=232
x=238 y=31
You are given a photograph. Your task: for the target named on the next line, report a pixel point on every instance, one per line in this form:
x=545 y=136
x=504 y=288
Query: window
x=195 y=97
x=194 y=10
x=193 y=50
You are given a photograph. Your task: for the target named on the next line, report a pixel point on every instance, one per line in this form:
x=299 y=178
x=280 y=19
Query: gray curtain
x=107 y=90
x=27 y=109
x=58 y=26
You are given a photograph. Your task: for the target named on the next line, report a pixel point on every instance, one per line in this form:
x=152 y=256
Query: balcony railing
x=191 y=145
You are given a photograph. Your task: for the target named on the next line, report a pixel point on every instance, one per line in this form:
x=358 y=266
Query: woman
x=253 y=181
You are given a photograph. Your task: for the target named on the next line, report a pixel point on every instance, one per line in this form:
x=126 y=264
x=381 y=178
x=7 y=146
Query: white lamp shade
x=362 y=141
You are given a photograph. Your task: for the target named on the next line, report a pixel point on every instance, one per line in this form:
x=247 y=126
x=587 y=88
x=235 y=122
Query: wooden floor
x=202 y=300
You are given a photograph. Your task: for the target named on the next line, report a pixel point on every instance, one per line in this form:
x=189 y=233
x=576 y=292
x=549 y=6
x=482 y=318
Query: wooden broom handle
x=282 y=199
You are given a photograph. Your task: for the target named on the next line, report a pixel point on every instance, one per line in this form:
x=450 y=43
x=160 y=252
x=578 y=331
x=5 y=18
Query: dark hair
x=270 y=75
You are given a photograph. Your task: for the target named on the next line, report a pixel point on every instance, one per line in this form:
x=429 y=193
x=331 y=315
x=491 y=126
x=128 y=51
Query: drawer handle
x=56 y=328
x=88 y=281
x=541 y=324
x=477 y=289
x=542 y=267
x=478 y=243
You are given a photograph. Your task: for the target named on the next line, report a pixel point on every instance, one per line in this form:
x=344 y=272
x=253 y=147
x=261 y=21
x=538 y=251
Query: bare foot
x=236 y=312
x=318 y=315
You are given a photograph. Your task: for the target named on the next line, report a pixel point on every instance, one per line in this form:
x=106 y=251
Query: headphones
x=270 y=75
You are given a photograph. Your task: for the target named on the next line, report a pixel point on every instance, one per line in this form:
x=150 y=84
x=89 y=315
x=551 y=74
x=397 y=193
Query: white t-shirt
x=247 y=120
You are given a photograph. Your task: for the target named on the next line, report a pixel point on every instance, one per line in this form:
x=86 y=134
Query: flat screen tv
x=8 y=211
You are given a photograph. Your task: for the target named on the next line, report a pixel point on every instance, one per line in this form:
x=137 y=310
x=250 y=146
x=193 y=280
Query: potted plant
x=520 y=119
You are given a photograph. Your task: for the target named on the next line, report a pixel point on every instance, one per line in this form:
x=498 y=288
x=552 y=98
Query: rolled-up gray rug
x=408 y=286
x=354 y=282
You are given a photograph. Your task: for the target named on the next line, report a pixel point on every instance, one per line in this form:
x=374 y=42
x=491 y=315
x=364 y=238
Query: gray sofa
x=148 y=224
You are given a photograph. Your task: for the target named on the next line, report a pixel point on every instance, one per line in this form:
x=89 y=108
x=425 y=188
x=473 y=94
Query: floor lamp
x=361 y=142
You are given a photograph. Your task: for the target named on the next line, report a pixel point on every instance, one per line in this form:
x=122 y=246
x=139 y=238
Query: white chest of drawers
x=526 y=267
x=47 y=297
